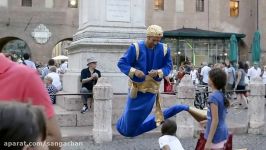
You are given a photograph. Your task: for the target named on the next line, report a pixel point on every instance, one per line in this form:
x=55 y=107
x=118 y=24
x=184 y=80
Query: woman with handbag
x=216 y=132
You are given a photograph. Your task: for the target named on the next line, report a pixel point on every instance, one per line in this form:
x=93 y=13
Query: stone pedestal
x=185 y=95
x=102 y=118
x=106 y=29
x=256 y=106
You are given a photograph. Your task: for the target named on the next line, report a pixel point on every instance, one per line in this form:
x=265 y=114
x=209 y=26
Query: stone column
x=256 y=106
x=106 y=29
x=185 y=95
x=102 y=121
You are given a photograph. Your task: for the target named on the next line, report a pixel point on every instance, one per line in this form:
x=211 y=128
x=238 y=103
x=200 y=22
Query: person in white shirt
x=27 y=62
x=254 y=71
x=193 y=74
x=56 y=78
x=205 y=73
x=263 y=75
x=63 y=67
x=168 y=140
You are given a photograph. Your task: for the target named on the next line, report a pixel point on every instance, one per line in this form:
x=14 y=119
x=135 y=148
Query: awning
x=198 y=33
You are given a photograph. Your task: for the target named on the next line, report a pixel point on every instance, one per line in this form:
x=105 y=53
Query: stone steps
x=68 y=109
x=73 y=118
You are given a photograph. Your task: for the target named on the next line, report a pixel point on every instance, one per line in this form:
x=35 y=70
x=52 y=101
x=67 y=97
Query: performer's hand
x=153 y=73
x=167 y=79
x=139 y=74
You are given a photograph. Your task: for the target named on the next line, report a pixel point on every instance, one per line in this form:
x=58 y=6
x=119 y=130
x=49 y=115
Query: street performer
x=146 y=63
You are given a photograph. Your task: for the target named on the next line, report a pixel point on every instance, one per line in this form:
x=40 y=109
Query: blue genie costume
x=144 y=92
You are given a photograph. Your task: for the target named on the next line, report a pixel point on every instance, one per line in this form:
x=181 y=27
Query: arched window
x=14 y=46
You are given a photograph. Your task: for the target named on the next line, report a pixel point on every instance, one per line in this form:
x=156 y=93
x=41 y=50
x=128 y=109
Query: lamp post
x=178 y=59
x=225 y=55
x=257 y=14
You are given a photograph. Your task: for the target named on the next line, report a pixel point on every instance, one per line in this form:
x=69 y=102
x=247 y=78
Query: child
x=216 y=132
x=21 y=123
x=169 y=141
x=50 y=88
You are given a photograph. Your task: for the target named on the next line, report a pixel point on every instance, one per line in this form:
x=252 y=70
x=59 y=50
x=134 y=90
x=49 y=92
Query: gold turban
x=155 y=30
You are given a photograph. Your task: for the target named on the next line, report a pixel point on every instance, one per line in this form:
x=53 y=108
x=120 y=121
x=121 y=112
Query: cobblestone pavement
x=252 y=142
x=249 y=141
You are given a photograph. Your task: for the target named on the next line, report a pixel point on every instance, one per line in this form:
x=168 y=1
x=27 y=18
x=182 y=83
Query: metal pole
x=257 y=14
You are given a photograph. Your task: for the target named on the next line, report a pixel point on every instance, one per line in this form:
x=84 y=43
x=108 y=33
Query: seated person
x=56 y=78
x=89 y=77
x=50 y=88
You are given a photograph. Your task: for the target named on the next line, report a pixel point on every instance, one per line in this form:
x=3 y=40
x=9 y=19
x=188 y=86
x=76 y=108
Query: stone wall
x=17 y=21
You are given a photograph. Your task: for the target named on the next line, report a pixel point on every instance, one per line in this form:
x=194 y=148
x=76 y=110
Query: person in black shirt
x=89 y=77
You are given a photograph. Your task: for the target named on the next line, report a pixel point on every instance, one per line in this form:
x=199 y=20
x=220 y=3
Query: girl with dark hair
x=168 y=140
x=216 y=132
x=241 y=85
x=21 y=124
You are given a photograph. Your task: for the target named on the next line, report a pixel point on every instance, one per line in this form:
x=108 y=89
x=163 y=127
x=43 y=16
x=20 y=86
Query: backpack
x=137 y=50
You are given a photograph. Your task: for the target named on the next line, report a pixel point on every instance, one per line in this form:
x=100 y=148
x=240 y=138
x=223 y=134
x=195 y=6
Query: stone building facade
x=215 y=16
x=18 y=22
x=58 y=20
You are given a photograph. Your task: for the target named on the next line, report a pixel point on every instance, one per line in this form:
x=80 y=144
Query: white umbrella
x=60 y=57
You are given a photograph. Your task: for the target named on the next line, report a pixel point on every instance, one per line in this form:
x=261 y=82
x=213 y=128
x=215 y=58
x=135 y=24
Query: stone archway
x=60 y=47
x=16 y=46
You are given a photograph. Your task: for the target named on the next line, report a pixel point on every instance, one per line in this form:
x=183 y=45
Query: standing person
x=205 y=73
x=146 y=63
x=254 y=71
x=187 y=67
x=216 y=131
x=199 y=75
x=168 y=140
x=56 y=78
x=89 y=77
x=180 y=74
x=50 y=88
x=45 y=70
x=225 y=67
x=231 y=77
x=27 y=87
x=63 y=67
x=241 y=85
x=263 y=75
x=28 y=62
x=193 y=74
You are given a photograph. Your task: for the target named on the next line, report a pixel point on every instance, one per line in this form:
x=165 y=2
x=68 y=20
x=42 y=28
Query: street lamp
x=178 y=58
x=225 y=55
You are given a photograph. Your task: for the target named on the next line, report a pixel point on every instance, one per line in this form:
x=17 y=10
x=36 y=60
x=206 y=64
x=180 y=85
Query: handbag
x=202 y=141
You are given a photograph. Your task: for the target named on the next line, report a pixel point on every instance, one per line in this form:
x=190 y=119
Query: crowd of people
x=50 y=73
x=22 y=98
x=238 y=74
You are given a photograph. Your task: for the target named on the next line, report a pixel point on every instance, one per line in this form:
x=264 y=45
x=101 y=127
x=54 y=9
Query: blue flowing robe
x=135 y=119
